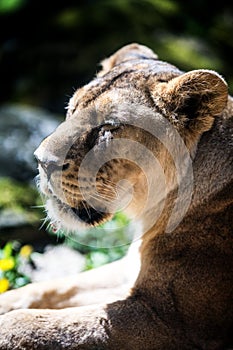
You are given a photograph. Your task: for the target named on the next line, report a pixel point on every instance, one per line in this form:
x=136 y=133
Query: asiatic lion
x=182 y=297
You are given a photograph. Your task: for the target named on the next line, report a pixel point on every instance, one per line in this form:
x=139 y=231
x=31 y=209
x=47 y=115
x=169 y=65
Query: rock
x=21 y=130
x=9 y=218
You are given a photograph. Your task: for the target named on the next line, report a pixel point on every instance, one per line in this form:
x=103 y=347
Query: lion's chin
x=71 y=219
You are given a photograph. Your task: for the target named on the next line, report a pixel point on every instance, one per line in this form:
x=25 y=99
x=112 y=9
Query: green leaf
x=7 y=250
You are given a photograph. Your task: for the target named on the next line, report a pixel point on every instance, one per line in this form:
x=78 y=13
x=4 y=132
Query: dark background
x=49 y=48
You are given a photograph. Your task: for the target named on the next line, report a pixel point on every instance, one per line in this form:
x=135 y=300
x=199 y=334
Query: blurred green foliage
x=17 y=197
x=12 y=257
x=10 y=5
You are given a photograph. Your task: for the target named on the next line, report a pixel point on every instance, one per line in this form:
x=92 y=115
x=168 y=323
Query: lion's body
x=182 y=297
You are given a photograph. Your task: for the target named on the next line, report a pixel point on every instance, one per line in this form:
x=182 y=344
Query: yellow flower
x=4 y=285
x=26 y=251
x=7 y=264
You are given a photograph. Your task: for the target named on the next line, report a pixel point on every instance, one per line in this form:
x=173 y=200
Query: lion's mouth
x=61 y=214
x=89 y=215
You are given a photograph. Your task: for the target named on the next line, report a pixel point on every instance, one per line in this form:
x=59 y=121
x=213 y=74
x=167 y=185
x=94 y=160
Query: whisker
x=113 y=185
x=46 y=219
x=102 y=196
x=37 y=206
x=86 y=208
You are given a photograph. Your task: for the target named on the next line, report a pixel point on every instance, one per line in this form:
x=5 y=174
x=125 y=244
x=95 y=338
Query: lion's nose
x=48 y=162
x=50 y=167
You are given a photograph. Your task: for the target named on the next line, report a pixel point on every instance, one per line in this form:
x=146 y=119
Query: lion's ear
x=195 y=98
x=126 y=53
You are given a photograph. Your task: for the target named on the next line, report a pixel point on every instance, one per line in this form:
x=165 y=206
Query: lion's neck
x=209 y=217
x=177 y=266
x=212 y=193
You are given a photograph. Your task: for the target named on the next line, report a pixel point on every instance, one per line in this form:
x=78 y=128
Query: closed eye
x=110 y=126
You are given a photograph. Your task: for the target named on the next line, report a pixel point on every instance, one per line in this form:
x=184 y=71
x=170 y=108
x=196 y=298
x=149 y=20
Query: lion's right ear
x=193 y=99
x=126 y=53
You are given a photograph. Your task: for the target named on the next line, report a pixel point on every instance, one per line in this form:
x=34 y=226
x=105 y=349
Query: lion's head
x=86 y=166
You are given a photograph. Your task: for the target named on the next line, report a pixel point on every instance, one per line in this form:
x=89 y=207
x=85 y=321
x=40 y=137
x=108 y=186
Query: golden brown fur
x=182 y=297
